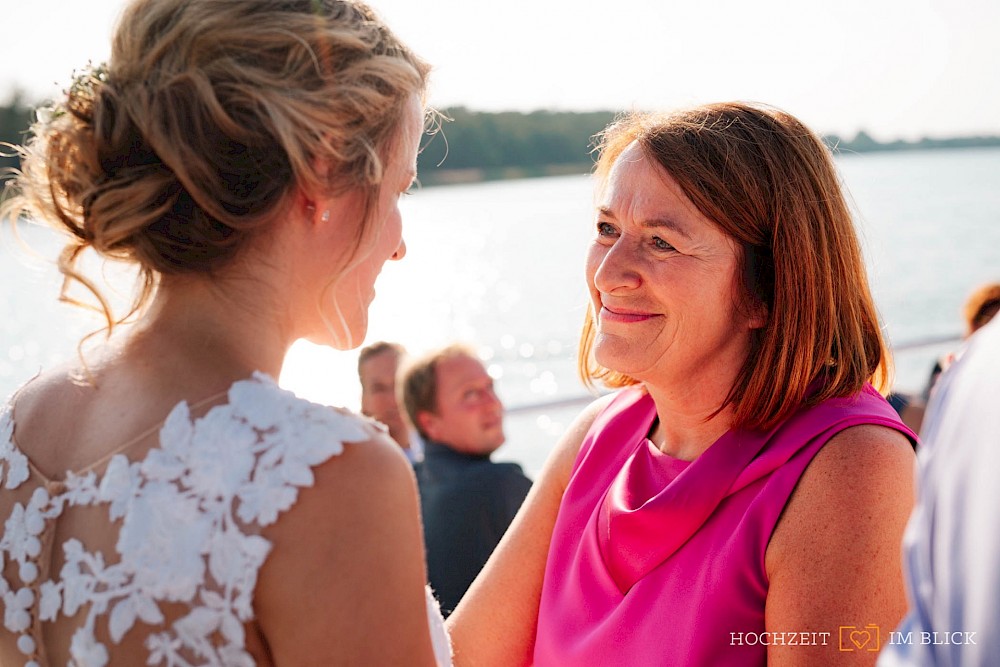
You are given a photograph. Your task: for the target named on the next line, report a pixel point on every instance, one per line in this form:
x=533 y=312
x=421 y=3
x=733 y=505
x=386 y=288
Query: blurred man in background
x=467 y=500
x=377 y=367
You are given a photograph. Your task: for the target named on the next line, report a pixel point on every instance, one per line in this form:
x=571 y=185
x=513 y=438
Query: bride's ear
x=310 y=199
x=313 y=208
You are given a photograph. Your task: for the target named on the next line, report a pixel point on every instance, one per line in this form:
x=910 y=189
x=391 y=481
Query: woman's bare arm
x=344 y=584
x=835 y=560
x=494 y=625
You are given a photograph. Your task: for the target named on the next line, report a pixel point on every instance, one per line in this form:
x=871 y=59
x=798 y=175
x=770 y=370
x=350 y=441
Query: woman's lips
x=624 y=316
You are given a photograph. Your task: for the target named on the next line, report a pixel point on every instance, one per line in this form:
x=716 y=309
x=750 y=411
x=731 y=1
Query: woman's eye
x=605 y=229
x=660 y=244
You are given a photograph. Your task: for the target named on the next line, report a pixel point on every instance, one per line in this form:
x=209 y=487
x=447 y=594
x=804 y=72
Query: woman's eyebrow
x=667 y=223
x=654 y=223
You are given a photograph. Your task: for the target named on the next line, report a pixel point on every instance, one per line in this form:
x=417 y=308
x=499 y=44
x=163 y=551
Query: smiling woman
x=662 y=280
x=766 y=186
x=709 y=498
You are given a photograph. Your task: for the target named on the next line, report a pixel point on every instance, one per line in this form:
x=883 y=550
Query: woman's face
x=663 y=282
x=346 y=301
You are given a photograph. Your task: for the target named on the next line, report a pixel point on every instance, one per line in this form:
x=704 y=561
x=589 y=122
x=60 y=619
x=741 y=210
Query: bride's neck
x=219 y=330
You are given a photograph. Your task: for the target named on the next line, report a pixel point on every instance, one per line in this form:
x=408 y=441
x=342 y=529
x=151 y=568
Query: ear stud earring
x=326 y=216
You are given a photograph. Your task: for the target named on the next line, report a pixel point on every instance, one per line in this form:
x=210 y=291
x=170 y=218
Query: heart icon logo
x=860 y=638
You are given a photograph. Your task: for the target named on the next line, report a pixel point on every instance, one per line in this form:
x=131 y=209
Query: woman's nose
x=616 y=268
x=400 y=251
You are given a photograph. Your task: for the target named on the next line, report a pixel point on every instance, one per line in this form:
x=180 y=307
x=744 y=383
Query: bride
x=165 y=503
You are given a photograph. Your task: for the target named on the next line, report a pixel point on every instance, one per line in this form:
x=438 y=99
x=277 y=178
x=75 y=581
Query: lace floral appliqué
x=189 y=515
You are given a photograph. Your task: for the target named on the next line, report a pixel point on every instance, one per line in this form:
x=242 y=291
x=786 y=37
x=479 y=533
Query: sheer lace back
x=158 y=557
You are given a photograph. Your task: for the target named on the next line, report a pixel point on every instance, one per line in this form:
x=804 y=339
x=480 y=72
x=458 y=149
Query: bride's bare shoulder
x=353 y=535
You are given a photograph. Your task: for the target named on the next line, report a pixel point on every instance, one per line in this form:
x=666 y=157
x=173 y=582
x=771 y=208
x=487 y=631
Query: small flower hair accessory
x=80 y=94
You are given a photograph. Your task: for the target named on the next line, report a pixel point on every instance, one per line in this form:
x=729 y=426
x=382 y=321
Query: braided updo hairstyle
x=208 y=115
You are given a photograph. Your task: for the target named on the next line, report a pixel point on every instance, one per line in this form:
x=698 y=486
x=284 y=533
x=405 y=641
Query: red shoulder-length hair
x=769 y=183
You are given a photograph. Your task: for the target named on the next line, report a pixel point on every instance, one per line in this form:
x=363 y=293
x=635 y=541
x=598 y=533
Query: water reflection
x=500 y=265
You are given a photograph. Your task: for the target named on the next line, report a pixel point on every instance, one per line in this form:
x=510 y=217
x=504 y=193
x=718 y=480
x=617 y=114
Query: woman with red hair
x=741 y=497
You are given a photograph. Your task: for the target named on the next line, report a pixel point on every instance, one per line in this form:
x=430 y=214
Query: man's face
x=378 y=394
x=469 y=416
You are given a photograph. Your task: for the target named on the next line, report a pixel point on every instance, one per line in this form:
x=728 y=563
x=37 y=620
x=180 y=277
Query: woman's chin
x=615 y=356
x=339 y=339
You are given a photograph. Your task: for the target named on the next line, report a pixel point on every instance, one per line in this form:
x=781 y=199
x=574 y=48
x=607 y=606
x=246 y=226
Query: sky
x=895 y=68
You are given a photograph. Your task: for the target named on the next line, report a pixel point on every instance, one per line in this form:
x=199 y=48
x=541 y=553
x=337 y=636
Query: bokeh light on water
x=500 y=265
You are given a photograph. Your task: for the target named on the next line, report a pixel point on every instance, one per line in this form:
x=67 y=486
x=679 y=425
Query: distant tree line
x=477 y=145
x=15 y=118
x=494 y=142
x=864 y=143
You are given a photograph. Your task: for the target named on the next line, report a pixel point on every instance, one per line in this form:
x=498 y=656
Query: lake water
x=500 y=265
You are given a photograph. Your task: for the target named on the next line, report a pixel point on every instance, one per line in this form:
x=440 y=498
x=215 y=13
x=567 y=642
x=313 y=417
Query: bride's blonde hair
x=207 y=117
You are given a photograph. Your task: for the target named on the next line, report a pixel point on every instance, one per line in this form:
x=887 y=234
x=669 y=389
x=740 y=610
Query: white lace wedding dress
x=188 y=519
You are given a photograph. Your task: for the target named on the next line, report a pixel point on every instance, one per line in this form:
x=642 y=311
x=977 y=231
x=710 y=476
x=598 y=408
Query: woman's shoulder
x=869 y=456
x=859 y=462
x=357 y=517
x=45 y=387
x=597 y=409
x=336 y=452
x=609 y=421
x=267 y=434
x=315 y=432
x=859 y=480
x=270 y=408
x=608 y=406
x=290 y=426
x=837 y=542
x=561 y=462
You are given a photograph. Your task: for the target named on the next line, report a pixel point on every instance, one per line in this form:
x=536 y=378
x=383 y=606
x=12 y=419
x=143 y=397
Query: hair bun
x=206 y=117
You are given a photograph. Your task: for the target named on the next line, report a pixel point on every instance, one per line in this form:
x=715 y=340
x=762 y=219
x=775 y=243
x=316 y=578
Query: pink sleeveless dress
x=657 y=561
